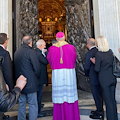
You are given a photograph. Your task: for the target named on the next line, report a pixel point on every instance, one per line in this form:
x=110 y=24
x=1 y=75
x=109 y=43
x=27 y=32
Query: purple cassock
x=62 y=58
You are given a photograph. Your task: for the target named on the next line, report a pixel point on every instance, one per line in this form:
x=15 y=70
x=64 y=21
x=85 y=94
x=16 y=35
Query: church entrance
x=43 y=18
x=52 y=18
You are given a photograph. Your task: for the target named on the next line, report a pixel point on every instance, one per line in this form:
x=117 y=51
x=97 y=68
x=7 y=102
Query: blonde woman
x=104 y=65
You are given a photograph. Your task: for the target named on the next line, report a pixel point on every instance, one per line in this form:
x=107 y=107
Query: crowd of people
x=30 y=70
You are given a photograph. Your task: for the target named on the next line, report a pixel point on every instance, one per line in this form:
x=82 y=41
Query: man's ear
x=6 y=41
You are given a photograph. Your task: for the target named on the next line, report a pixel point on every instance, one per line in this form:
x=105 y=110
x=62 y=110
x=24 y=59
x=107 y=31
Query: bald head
x=27 y=40
x=91 y=41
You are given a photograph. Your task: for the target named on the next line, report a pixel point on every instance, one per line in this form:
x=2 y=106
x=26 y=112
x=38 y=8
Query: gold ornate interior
x=52 y=18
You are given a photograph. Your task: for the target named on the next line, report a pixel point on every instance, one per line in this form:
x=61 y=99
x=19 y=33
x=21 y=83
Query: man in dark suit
x=26 y=63
x=7 y=64
x=41 y=53
x=90 y=72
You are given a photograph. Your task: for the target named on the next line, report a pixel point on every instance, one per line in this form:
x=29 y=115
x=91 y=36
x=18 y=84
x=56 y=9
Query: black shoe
x=5 y=117
x=96 y=116
x=42 y=105
x=93 y=112
x=99 y=113
x=40 y=115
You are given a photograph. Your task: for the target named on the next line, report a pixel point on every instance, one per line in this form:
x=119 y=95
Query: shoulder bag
x=116 y=67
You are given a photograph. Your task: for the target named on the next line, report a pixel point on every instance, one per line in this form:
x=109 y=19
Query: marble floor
x=86 y=104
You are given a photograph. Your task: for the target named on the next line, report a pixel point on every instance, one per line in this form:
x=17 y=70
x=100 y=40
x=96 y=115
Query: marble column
x=6 y=21
x=107 y=23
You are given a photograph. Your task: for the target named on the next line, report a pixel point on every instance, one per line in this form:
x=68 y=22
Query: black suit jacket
x=43 y=67
x=89 y=67
x=7 y=68
x=104 y=66
x=26 y=63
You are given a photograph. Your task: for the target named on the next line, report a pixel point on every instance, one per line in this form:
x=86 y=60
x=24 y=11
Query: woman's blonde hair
x=102 y=44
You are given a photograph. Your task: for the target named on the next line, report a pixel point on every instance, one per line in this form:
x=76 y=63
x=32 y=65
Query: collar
x=60 y=43
x=25 y=45
x=92 y=47
x=38 y=49
x=2 y=46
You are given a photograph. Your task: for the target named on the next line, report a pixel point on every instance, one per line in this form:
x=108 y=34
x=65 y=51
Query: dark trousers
x=0 y=116
x=110 y=102
x=39 y=97
x=97 y=95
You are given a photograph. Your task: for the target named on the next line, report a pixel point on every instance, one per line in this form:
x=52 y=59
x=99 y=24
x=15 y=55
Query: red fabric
x=66 y=111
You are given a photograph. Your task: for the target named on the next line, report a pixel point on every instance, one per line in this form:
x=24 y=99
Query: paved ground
x=86 y=104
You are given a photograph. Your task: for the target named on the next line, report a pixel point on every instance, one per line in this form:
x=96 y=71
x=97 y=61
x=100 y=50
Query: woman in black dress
x=104 y=66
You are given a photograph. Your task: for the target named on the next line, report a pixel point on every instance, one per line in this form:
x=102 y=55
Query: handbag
x=116 y=67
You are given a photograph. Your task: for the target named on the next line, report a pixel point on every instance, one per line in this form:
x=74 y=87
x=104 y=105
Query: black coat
x=26 y=63
x=43 y=67
x=104 y=66
x=89 y=67
x=7 y=67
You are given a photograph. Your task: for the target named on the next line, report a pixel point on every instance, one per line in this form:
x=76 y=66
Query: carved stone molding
x=79 y=30
x=27 y=20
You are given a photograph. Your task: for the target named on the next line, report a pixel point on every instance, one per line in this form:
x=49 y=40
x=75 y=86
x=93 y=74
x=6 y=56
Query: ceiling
x=51 y=9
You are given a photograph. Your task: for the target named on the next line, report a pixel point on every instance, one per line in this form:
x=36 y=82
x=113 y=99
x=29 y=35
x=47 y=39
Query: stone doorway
x=78 y=24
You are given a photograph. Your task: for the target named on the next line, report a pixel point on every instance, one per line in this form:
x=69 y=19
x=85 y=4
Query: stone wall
x=26 y=20
x=78 y=31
